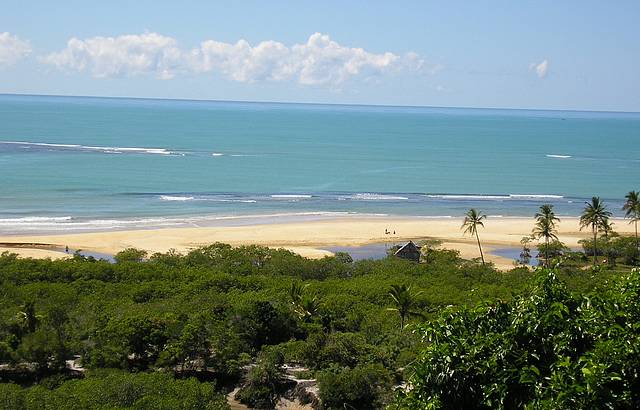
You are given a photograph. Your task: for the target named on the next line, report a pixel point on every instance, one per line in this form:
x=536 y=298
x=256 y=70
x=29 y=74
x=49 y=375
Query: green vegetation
x=184 y=331
x=595 y=216
x=631 y=210
x=544 y=349
x=224 y=317
x=545 y=227
x=472 y=220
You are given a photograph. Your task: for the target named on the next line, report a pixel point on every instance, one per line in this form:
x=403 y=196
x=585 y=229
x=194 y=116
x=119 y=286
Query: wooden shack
x=410 y=251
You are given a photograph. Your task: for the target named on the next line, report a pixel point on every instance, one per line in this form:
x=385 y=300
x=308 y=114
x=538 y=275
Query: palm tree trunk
x=480 y=247
x=546 y=251
x=637 y=244
x=595 y=249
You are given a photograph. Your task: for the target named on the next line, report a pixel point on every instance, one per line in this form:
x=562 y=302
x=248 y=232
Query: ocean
x=86 y=164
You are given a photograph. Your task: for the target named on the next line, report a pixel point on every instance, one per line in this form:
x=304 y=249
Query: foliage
x=130 y=255
x=595 y=216
x=265 y=381
x=552 y=249
x=631 y=210
x=215 y=313
x=404 y=301
x=616 y=248
x=545 y=227
x=472 y=220
x=115 y=389
x=362 y=387
x=545 y=349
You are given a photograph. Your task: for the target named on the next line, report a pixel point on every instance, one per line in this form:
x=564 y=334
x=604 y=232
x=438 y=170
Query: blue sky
x=513 y=54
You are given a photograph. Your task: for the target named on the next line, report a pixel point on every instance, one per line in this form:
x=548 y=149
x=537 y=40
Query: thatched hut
x=410 y=251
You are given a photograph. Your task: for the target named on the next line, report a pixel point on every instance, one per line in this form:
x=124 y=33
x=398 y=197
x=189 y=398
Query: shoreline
x=307 y=238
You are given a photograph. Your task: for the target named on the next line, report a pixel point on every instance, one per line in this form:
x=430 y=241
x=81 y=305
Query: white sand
x=309 y=238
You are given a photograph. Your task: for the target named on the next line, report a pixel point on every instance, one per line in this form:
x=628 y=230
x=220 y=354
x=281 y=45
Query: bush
x=130 y=255
x=363 y=387
x=265 y=381
x=115 y=389
x=546 y=349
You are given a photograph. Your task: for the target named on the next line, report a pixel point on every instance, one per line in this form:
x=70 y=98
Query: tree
x=366 y=386
x=525 y=254
x=304 y=304
x=545 y=227
x=404 y=301
x=28 y=317
x=472 y=220
x=632 y=210
x=596 y=216
x=544 y=349
x=130 y=255
x=265 y=381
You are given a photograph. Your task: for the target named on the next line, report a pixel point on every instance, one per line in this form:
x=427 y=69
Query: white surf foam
x=176 y=198
x=34 y=220
x=367 y=196
x=291 y=196
x=494 y=197
x=535 y=196
x=557 y=156
x=217 y=154
x=470 y=197
x=107 y=150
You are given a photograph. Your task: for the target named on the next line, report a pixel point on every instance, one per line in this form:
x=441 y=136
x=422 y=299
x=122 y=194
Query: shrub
x=363 y=387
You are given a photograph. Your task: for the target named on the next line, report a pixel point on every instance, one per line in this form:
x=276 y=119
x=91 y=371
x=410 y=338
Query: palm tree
x=472 y=220
x=28 y=317
x=632 y=210
x=596 y=216
x=546 y=227
x=306 y=306
x=404 y=301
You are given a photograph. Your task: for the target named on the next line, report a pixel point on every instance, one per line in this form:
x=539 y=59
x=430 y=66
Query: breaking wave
x=176 y=198
x=34 y=220
x=367 y=196
x=291 y=196
x=89 y=148
x=463 y=197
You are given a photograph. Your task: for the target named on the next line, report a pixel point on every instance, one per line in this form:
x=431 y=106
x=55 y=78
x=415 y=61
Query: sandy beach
x=309 y=239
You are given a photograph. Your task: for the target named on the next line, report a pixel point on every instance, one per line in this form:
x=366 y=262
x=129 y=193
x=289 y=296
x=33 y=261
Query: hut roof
x=409 y=245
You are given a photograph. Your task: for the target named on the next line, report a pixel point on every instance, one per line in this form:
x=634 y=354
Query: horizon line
x=315 y=103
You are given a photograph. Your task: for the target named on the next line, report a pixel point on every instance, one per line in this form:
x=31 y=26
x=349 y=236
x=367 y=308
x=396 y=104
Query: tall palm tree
x=632 y=210
x=545 y=227
x=472 y=220
x=596 y=216
x=404 y=301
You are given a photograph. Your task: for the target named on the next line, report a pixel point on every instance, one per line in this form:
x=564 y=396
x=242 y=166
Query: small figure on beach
x=66 y=249
x=386 y=231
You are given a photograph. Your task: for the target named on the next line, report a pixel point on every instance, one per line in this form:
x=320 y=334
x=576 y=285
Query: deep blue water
x=76 y=163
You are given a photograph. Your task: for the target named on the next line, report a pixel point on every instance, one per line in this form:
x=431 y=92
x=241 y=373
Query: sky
x=582 y=55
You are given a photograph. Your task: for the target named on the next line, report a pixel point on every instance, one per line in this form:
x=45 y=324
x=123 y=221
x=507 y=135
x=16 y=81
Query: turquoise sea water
x=77 y=163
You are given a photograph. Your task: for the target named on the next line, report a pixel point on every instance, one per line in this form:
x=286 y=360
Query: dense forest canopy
x=182 y=331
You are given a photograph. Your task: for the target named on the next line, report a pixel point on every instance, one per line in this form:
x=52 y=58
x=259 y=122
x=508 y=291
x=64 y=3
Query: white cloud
x=319 y=61
x=127 y=55
x=541 y=69
x=12 y=49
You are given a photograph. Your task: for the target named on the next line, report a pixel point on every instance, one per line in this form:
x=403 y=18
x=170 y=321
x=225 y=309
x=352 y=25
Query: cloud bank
x=319 y=61
x=541 y=69
x=12 y=49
